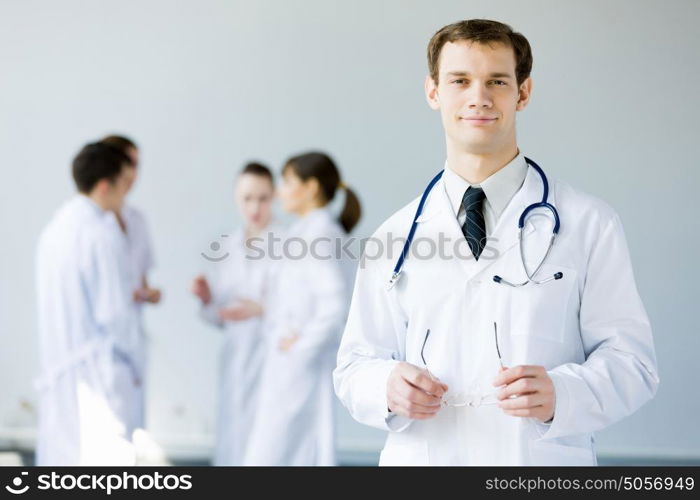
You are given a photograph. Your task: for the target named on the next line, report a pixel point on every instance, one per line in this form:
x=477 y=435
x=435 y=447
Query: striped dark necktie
x=474 y=227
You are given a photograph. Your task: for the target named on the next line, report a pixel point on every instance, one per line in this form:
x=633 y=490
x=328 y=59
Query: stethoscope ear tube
x=541 y=204
x=556 y=276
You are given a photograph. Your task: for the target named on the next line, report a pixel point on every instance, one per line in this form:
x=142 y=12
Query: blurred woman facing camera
x=233 y=299
x=294 y=424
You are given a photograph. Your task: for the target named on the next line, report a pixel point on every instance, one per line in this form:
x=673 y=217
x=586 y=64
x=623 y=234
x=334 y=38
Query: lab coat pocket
x=540 y=311
x=543 y=452
x=415 y=453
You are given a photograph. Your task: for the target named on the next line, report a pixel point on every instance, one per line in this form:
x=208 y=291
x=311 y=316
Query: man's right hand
x=200 y=288
x=412 y=392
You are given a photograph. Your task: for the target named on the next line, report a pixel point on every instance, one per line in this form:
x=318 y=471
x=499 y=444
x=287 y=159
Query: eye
x=499 y=82
x=459 y=81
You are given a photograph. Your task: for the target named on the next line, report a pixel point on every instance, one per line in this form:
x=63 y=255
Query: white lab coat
x=295 y=422
x=588 y=329
x=87 y=334
x=141 y=261
x=233 y=278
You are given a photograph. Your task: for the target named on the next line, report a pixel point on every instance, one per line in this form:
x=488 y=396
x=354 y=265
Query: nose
x=479 y=97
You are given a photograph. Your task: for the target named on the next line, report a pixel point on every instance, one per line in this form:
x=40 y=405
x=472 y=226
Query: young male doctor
x=481 y=348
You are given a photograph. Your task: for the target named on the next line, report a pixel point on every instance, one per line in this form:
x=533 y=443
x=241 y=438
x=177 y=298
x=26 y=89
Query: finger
x=402 y=406
x=523 y=402
x=512 y=374
x=415 y=395
x=521 y=386
x=422 y=380
x=530 y=412
x=413 y=406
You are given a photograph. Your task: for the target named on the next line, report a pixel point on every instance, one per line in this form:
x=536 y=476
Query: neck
x=309 y=207
x=253 y=230
x=100 y=202
x=477 y=167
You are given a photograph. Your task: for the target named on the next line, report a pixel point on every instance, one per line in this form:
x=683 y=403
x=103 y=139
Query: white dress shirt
x=499 y=189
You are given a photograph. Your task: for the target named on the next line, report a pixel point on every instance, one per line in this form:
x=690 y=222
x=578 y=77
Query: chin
x=475 y=146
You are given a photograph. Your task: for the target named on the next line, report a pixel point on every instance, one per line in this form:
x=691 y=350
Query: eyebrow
x=492 y=75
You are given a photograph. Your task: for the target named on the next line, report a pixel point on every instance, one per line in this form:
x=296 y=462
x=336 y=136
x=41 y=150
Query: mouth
x=478 y=120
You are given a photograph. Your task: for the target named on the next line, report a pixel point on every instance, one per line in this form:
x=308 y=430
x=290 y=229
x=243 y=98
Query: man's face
x=133 y=155
x=478 y=95
x=131 y=175
x=114 y=193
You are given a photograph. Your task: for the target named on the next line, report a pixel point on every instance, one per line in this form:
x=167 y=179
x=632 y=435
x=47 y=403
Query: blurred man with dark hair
x=88 y=328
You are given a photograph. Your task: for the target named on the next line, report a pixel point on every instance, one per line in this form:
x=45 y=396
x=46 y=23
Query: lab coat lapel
x=505 y=235
x=438 y=222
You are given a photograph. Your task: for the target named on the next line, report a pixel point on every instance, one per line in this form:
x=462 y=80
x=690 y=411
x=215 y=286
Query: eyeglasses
x=476 y=395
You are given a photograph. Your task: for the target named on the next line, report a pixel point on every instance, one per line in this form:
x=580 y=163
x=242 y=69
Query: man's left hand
x=528 y=392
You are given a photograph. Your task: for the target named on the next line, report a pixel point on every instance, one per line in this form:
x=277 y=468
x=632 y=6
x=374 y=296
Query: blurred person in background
x=294 y=423
x=135 y=228
x=88 y=326
x=233 y=299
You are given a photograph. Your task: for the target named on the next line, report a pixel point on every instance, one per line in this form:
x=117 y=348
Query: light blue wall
x=206 y=85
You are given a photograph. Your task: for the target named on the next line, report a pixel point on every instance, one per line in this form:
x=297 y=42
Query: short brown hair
x=257 y=169
x=486 y=32
x=122 y=143
x=95 y=162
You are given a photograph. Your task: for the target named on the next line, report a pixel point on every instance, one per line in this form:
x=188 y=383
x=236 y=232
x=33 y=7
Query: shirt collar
x=499 y=188
x=86 y=201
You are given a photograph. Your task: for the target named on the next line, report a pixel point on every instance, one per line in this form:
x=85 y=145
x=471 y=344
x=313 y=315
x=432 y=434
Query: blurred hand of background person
x=287 y=342
x=147 y=294
x=244 y=309
x=200 y=288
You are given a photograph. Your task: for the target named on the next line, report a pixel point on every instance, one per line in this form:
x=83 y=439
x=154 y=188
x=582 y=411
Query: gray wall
x=206 y=85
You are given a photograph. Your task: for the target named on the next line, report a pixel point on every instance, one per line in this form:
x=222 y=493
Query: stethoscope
x=396 y=274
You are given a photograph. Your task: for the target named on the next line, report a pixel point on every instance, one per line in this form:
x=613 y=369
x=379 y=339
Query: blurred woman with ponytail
x=295 y=422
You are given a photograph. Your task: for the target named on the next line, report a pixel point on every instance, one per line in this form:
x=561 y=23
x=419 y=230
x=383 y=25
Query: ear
x=524 y=92
x=101 y=187
x=431 y=93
